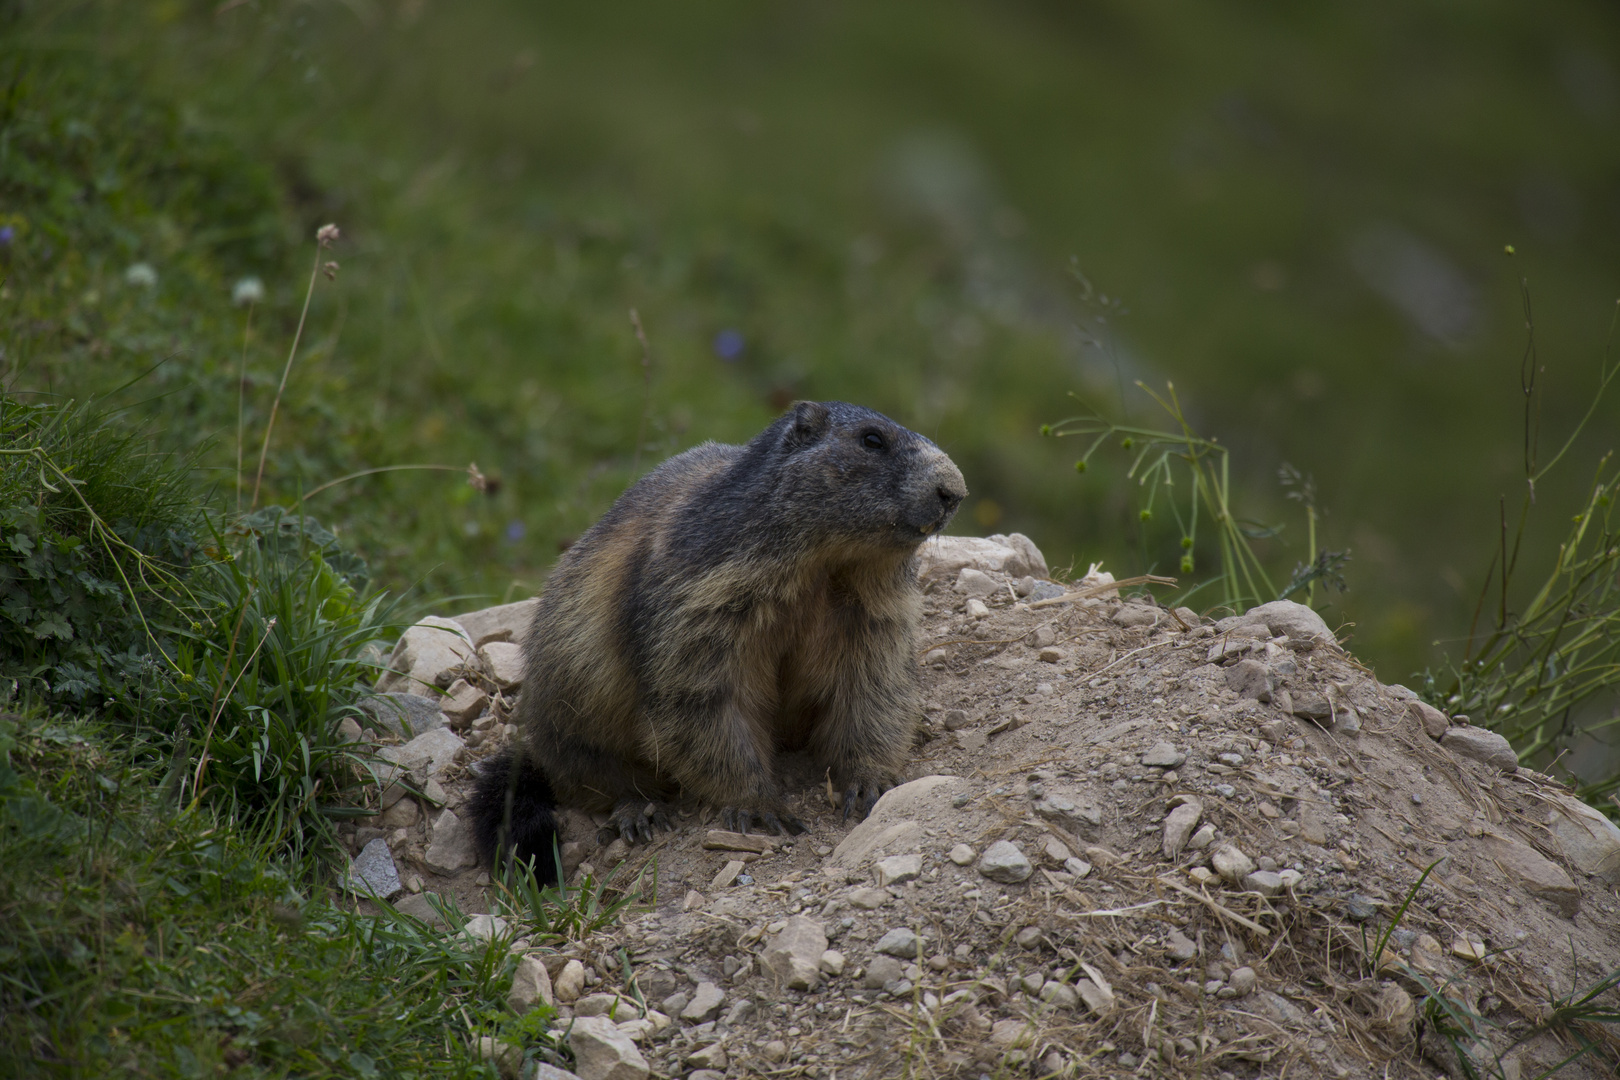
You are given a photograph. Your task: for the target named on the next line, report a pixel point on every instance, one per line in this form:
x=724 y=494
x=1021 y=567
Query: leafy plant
x=1158 y=457
x=1540 y=661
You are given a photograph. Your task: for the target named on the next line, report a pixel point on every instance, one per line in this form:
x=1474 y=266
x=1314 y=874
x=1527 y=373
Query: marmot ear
x=811 y=419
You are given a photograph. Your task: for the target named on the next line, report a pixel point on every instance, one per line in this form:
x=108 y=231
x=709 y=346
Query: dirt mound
x=1137 y=841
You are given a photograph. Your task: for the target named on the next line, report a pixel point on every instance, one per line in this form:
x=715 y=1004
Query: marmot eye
x=872 y=441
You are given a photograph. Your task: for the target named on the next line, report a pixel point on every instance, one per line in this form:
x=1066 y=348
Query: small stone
x=1064 y=811
x=1242 y=981
x=504 y=662
x=506 y=1058
x=1052 y=655
x=1538 y=874
x=1178 y=827
x=1347 y=720
x=1312 y=707
x=1250 y=680
x=570 y=982
x=1008 y=1034
x=727 y=875
x=976 y=583
x=531 y=986
x=1163 y=755
x=1203 y=837
x=1264 y=882
x=1467 y=949
x=976 y=609
x=674 y=1003
x=348 y=730
x=899 y=942
x=1029 y=937
x=1078 y=867
x=1099 y=998
x=935 y=658
x=868 y=899
x=1429 y=719
x=712 y=1056
x=898 y=869
x=1587 y=839
x=1059 y=994
x=774 y=1051
x=1290 y=879
x=1179 y=946
x=1041 y=636
x=1055 y=849
x=1005 y=862
x=832 y=963
x=603 y=1052
x=882 y=971
x=1231 y=863
x=1394 y=1010
x=794 y=953
x=603 y=1004
x=1359 y=908
x=962 y=855
x=463 y=701
x=451 y=848
x=1481 y=745
x=705 y=1003
x=485 y=928
x=956 y=720
x=374 y=873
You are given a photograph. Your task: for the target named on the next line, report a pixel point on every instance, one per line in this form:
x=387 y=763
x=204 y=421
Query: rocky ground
x=1135 y=841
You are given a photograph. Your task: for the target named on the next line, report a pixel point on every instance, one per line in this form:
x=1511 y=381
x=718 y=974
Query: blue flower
x=728 y=345
x=7 y=235
x=515 y=532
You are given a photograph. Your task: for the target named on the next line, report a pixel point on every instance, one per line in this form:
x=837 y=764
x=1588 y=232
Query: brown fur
x=736 y=602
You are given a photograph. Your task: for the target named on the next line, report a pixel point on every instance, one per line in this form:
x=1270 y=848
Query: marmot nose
x=950 y=499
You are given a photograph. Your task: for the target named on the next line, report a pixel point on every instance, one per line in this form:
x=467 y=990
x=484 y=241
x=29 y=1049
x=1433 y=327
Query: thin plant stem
x=275 y=405
x=241 y=401
x=219 y=707
x=371 y=472
x=646 y=392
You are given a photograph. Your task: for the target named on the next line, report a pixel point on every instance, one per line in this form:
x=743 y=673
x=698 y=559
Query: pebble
x=506 y=1058
x=1029 y=937
x=451 y=848
x=373 y=872
x=1178 y=827
x=956 y=720
x=1163 y=756
x=961 y=855
x=1078 y=867
x=899 y=942
x=603 y=1052
x=570 y=981
x=531 y=986
x=712 y=1056
x=882 y=971
x=1179 y=946
x=1062 y=995
x=774 y=1051
x=976 y=609
x=485 y=928
x=1264 y=882
x=705 y=1003
x=868 y=899
x=795 y=953
x=1481 y=745
x=898 y=869
x=1242 y=981
x=1431 y=720
x=832 y=962
x=1005 y=862
x=1203 y=837
x=1359 y=908
x=1231 y=863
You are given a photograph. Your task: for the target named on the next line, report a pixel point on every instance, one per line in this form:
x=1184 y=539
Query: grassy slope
x=884 y=201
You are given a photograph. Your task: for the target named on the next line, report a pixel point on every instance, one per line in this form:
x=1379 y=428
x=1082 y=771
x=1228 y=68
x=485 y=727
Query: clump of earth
x=1134 y=840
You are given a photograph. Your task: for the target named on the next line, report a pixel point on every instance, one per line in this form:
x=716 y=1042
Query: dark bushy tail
x=512 y=816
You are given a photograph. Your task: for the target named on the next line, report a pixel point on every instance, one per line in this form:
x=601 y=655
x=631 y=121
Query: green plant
x=564 y=913
x=1157 y=457
x=98 y=531
x=1542 y=659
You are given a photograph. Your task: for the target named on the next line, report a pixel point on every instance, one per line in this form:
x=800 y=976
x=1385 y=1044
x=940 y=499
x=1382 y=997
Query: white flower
x=141 y=275
x=250 y=290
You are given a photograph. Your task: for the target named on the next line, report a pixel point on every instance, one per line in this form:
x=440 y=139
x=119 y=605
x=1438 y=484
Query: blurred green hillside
x=954 y=212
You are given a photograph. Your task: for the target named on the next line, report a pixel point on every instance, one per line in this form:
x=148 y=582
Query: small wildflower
x=1127 y=443
x=478 y=480
x=326 y=235
x=515 y=531
x=330 y=270
x=249 y=290
x=1186 y=564
x=1146 y=515
x=728 y=345
x=8 y=233
x=1080 y=466
x=141 y=275
x=1186 y=543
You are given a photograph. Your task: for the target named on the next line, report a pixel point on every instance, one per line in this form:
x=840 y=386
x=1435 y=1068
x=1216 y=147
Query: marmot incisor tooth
x=736 y=601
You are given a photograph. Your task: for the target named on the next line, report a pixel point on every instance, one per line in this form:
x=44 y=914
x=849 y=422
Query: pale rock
x=1264 y=882
x=705 y=1003
x=1056 y=850
x=898 y=869
x=1027 y=559
x=485 y=928
x=506 y=1058
x=1012 y=1034
x=1179 y=946
x=956 y=720
x=946 y=556
x=899 y=942
x=1003 y=861
x=451 y=848
x=1231 y=863
x=464 y=702
x=373 y=872
x=794 y=953
x=1178 y=827
x=892 y=828
x=832 y=963
x=1059 y=994
x=882 y=971
x=1538 y=874
x=419 y=907
x=348 y=730
x=1481 y=745
x=1163 y=755
x=976 y=609
x=961 y=855
x=1242 y=981
x=605 y=1004
x=869 y=899
x=1078 y=867
x=712 y=1056
x=531 y=986
x=570 y=982
x=406 y=715
x=1284 y=617
x=1203 y=837
x=1250 y=679
x=1070 y=813
x=603 y=1052
x=504 y=662
x=504 y=622
x=1131 y=615
x=975 y=583
x=429 y=753
x=1430 y=720
x=1099 y=997
x=1394 y=1009
x=426 y=657
x=1590 y=841
x=774 y=1051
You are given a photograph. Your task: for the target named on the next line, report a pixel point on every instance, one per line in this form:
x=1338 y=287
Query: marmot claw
x=781 y=823
x=637 y=820
x=859 y=798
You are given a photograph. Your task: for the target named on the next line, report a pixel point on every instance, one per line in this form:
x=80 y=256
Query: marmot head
x=860 y=475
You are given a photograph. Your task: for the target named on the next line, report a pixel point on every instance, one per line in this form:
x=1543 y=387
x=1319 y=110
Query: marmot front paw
x=778 y=821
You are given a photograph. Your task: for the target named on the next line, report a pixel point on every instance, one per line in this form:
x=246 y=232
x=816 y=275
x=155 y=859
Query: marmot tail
x=512 y=816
